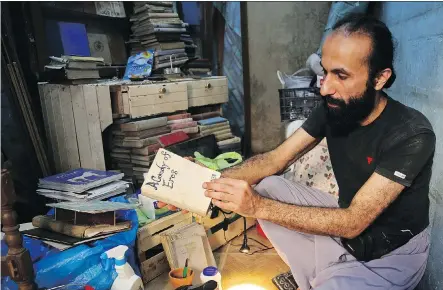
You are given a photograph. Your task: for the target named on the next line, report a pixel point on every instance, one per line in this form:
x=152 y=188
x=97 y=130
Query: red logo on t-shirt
x=369 y=159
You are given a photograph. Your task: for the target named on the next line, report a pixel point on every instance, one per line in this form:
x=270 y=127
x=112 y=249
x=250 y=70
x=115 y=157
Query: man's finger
x=228 y=206
x=230 y=181
x=161 y=204
x=219 y=195
x=218 y=187
x=171 y=207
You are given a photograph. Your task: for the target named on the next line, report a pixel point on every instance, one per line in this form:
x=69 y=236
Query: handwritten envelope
x=177 y=181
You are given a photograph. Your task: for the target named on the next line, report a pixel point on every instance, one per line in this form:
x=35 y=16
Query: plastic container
x=126 y=278
x=211 y=273
x=297 y=104
x=176 y=278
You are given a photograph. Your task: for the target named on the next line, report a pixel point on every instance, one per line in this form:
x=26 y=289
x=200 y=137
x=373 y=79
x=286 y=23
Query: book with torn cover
x=177 y=181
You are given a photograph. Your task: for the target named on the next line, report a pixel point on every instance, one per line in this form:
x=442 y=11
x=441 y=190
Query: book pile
x=190 y=47
x=155 y=26
x=82 y=185
x=199 y=68
x=74 y=67
x=135 y=143
x=210 y=123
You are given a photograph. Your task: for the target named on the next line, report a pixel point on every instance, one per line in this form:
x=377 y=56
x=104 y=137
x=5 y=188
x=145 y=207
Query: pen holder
x=177 y=280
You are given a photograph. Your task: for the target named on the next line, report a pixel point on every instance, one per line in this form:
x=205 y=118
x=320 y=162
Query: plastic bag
x=294 y=81
x=80 y=265
x=220 y=162
x=140 y=65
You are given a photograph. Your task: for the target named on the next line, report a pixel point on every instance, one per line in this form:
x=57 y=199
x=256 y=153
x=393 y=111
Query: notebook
x=177 y=181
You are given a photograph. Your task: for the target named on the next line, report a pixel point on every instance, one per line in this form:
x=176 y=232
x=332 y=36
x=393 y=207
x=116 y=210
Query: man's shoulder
x=404 y=123
x=406 y=119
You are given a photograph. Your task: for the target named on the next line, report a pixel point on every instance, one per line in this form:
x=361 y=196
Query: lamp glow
x=246 y=287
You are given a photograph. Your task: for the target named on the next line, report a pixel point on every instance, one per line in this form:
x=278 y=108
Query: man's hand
x=233 y=195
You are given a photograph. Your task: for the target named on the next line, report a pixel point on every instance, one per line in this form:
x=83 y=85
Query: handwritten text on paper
x=160 y=179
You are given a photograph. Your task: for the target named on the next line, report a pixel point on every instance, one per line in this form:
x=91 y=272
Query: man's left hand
x=233 y=195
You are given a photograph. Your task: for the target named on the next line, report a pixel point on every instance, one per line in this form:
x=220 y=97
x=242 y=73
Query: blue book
x=74 y=38
x=79 y=180
x=211 y=121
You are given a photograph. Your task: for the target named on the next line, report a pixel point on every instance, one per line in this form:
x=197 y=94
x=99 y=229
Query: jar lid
x=210 y=271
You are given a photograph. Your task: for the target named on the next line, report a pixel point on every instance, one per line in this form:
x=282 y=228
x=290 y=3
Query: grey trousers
x=322 y=263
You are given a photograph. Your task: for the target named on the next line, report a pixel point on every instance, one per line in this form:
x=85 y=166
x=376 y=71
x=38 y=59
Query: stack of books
x=155 y=26
x=74 y=67
x=82 y=185
x=135 y=143
x=199 y=68
x=221 y=129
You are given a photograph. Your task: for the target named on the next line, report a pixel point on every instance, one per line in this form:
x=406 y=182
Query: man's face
x=348 y=93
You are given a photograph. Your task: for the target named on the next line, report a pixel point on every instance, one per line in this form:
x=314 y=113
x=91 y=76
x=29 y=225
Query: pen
x=185 y=269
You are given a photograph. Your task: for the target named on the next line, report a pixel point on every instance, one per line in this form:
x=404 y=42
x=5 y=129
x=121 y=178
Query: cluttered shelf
x=65 y=13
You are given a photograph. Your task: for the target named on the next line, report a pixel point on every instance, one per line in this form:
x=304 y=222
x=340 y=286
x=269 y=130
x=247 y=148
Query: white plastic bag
x=294 y=81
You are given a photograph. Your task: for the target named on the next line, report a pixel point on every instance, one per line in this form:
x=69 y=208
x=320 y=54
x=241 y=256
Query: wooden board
x=104 y=106
x=81 y=126
x=235 y=229
x=69 y=135
x=54 y=100
x=205 y=92
x=48 y=120
x=213 y=99
x=148 y=236
x=154 y=89
x=95 y=137
x=158 y=108
x=157 y=99
x=154 y=267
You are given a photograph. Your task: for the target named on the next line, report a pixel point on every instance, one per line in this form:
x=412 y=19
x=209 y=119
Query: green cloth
x=221 y=161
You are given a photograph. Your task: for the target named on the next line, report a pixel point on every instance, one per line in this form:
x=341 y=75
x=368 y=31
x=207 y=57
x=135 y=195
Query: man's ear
x=382 y=78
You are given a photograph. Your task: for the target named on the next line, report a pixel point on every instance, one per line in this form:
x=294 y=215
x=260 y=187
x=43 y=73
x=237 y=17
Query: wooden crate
x=148 y=237
x=75 y=117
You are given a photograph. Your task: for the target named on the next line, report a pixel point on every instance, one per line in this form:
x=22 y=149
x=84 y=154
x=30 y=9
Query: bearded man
x=376 y=235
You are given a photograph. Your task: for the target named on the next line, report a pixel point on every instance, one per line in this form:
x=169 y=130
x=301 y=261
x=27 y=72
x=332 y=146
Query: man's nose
x=327 y=86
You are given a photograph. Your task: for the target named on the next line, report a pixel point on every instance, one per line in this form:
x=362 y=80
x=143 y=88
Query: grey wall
x=281 y=37
x=418 y=29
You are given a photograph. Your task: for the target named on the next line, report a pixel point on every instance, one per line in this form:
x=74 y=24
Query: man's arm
x=369 y=202
x=262 y=165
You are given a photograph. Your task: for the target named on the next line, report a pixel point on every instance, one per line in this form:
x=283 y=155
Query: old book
x=144 y=124
x=121 y=156
x=207 y=115
x=183 y=125
x=178 y=121
x=211 y=121
x=135 y=143
x=210 y=127
x=141 y=162
x=229 y=141
x=167 y=46
x=224 y=136
x=120 y=150
x=78 y=180
x=78 y=231
x=178 y=181
x=179 y=116
x=189 y=130
x=141 y=151
x=173 y=138
x=215 y=130
x=148 y=132
x=142 y=157
x=76 y=74
x=57 y=238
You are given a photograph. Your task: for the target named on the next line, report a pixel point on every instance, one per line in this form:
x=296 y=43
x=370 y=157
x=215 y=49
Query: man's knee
x=272 y=187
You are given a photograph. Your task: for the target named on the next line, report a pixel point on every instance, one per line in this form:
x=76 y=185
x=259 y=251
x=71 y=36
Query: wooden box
x=148 y=237
x=149 y=99
x=207 y=91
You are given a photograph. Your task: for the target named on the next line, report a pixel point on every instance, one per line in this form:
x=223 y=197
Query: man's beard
x=347 y=117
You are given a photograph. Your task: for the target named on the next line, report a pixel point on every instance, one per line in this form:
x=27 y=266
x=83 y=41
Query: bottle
x=126 y=278
x=211 y=273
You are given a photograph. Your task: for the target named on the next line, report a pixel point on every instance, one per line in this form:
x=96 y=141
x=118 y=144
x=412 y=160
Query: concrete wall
x=418 y=29
x=281 y=37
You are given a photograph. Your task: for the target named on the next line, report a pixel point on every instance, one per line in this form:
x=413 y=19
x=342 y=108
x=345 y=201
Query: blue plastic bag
x=80 y=265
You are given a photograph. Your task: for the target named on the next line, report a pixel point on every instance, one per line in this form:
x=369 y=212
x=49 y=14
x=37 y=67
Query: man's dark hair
x=382 y=53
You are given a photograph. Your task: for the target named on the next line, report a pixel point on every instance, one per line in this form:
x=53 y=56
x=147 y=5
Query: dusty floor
x=240 y=269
